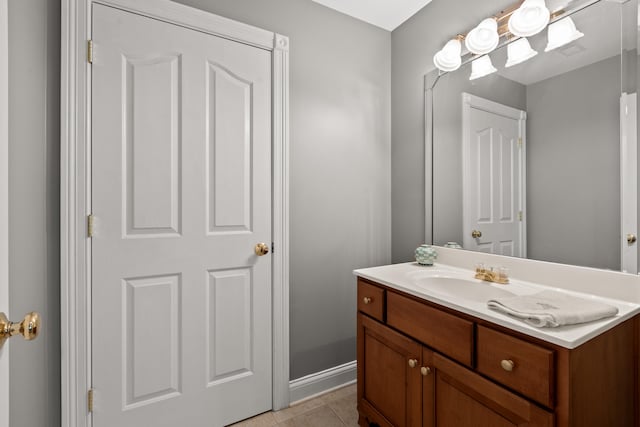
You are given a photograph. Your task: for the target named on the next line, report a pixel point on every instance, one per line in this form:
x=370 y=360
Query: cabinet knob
x=413 y=363
x=366 y=300
x=425 y=370
x=507 y=365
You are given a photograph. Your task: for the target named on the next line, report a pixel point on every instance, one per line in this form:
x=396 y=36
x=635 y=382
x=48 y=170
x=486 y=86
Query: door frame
x=4 y=205
x=471 y=101
x=75 y=187
x=628 y=182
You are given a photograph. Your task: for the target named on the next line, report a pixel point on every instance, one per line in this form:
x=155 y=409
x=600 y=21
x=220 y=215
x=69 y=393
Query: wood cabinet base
x=507 y=379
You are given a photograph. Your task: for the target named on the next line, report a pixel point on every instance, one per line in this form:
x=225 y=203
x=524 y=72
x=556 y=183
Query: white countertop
x=406 y=277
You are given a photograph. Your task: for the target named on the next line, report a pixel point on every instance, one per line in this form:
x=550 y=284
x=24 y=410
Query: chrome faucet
x=491 y=275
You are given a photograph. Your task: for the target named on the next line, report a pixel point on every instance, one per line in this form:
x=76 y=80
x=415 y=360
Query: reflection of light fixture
x=562 y=32
x=529 y=19
x=448 y=58
x=481 y=67
x=483 y=38
x=519 y=51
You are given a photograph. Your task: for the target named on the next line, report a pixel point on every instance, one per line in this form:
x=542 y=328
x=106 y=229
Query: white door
x=181 y=195
x=628 y=183
x=493 y=177
x=4 y=210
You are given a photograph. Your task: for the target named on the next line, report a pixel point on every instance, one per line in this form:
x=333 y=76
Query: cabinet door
x=389 y=380
x=465 y=399
x=428 y=372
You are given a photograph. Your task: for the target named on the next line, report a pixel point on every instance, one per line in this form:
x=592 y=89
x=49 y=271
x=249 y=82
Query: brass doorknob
x=631 y=239
x=262 y=249
x=28 y=328
x=425 y=370
x=366 y=300
x=476 y=234
x=413 y=363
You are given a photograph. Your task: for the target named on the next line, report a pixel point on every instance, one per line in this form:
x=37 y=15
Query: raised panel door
x=463 y=398
x=389 y=382
x=181 y=194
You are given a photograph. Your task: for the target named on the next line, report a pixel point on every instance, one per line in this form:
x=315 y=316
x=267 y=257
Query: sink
x=457 y=287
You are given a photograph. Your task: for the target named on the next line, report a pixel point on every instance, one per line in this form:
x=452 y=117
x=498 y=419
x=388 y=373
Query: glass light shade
x=448 y=58
x=519 y=51
x=481 y=67
x=483 y=38
x=529 y=19
x=562 y=32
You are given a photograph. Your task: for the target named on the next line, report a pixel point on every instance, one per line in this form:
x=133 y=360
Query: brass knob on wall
x=28 y=328
x=262 y=249
x=476 y=234
x=631 y=239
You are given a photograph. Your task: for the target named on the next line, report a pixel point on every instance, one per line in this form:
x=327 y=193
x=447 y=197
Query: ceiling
x=387 y=14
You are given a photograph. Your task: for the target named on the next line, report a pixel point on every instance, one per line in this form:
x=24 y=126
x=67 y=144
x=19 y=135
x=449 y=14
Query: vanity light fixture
x=562 y=32
x=483 y=38
x=518 y=52
x=448 y=58
x=529 y=19
x=481 y=67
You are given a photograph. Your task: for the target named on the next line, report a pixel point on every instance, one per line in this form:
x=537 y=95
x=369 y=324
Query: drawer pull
x=366 y=300
x=507 y=365
x=413 y=363
x=425 y=370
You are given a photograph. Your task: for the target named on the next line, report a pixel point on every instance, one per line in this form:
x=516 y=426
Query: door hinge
x=90 y=220
x=90 y=51
x=520 y=142
x=520 y=215
x=90 y=400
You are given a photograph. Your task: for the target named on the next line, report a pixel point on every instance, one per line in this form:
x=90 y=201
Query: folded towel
x=552 y=309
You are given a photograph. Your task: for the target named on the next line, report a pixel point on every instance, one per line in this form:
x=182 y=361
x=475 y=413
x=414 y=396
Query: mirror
x=528 y=159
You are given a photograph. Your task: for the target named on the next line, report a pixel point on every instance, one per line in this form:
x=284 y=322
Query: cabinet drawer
x=437 y=329
x=371 y=300
x=519 y=365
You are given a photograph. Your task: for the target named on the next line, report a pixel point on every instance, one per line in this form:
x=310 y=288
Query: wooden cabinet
x=420 y=364
x=388 y=365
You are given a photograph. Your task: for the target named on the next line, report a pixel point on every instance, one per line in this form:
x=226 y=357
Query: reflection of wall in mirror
x=572 y=160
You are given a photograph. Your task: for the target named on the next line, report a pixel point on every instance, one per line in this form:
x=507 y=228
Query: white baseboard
x=322 y=382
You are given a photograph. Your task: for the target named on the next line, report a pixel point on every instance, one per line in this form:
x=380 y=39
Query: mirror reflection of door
x=493 y=177
x=628 y=184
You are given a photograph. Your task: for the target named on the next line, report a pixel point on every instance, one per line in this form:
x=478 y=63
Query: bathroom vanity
x=429 y=357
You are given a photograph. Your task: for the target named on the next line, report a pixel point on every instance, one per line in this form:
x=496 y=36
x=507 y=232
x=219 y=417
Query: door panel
x=181 y=194
x=4 y=208
x=493 y=178
x=628 y=182
x=388 y=387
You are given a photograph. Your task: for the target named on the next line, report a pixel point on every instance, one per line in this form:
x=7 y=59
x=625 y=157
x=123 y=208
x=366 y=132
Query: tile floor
x=334 y=409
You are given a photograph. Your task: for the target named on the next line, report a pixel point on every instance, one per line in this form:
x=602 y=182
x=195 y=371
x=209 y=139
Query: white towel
x=552 y=309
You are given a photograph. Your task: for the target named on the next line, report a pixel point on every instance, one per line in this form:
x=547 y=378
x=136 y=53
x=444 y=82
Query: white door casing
x=4 y=207
x=628 y=182
x=76 y=188
x=493 y=168
x=181 y=194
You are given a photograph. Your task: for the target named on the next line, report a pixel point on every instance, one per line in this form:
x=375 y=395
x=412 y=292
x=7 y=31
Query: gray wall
x=413 y=45
x=447 y=142
x=34 y=256
x=340 y=181
x=573 y=167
